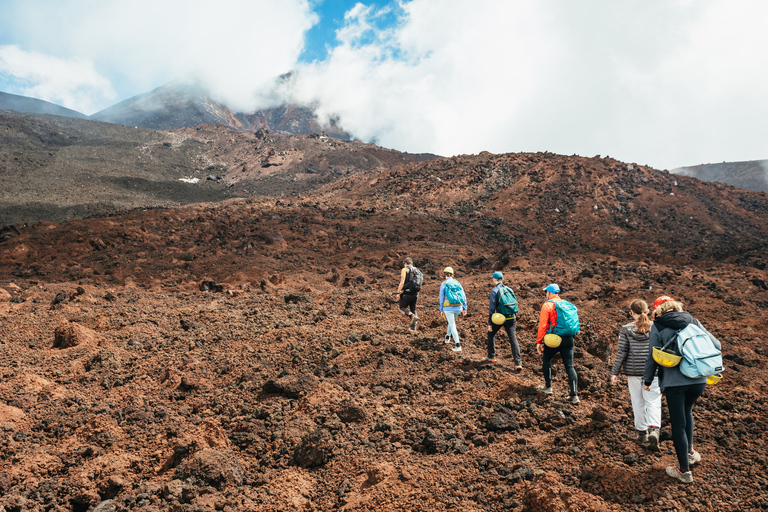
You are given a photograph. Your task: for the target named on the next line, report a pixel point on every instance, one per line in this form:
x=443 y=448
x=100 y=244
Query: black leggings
x=680 y=400
x=566 y=352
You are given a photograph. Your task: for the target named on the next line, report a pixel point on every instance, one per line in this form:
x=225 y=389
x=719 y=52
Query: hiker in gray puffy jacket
x=631 y=354
x=681 y=391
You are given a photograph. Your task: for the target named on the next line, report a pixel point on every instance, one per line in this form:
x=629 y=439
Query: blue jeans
x=566 y=352
x=680 y=400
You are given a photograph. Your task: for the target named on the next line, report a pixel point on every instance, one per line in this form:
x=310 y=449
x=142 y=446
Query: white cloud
x=72 y=83
x=658 y=82
x=231 y=45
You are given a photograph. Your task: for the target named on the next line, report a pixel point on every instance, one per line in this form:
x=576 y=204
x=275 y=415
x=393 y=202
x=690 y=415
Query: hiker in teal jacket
x=451 y=310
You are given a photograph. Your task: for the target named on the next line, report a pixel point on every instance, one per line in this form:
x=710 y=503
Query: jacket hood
x=674 y=320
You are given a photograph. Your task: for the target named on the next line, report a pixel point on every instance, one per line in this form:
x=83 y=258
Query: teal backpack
x=453 y=293
x=567 y=319
x=506 y=302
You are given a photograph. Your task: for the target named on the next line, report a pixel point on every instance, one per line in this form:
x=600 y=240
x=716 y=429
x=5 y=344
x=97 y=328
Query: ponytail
x=640 y=307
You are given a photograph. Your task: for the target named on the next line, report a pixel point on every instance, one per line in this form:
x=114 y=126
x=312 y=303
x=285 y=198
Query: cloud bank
x=667 y=83
x=664 y=83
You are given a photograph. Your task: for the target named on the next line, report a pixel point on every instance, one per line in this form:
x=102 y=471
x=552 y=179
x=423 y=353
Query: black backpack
x=413 y=280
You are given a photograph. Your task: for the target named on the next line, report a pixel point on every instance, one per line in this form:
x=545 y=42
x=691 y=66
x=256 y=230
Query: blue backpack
x=701 y=358
x=453 y=293
x=567 y=319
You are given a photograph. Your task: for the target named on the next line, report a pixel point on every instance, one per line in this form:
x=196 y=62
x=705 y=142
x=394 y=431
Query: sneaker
x=674 y=472
x=545 y=390
x=694 y=458
x=447 y=339
x=489 y=360
x=642 y=437
x=653 y=439
x=574 y=399
x=457 y=348
x=518 y=368
x=414 y=321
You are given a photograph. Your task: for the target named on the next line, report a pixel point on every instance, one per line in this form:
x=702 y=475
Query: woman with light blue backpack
x=681 y=391
x=453 y=301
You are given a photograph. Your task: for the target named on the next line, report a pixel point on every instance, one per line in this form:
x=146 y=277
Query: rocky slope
x=248 y=354
x=58 y=168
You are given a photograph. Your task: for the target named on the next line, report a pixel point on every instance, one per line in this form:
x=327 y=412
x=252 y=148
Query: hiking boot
x=457 y=348
x=694 y=458
x=545 y=390
x=674 y=472
x=574 y=399
x=653 y=439
x=642 y=437
x=489 y=360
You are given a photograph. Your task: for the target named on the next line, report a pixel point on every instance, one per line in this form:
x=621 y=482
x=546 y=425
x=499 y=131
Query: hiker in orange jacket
x=547 y=321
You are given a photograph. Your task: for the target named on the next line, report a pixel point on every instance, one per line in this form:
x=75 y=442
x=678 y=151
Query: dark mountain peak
x=27 y=105
x=751 y=175
x=185 y=105
x=170 y=106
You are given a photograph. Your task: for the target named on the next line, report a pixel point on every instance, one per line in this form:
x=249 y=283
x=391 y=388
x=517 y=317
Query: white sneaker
x=674 y=472
x=457 y=348
x=447 y=339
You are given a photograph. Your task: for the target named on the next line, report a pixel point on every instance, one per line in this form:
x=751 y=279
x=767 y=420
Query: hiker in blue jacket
x=681 y=391
x=452 y=309
x=509 y=325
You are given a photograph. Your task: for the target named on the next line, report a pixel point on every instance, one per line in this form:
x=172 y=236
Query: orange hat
x=661 y=300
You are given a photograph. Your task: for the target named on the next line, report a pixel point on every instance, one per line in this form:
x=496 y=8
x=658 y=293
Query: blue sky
x=666 y=83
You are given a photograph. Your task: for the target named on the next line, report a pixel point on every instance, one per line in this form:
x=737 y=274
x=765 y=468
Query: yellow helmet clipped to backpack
x=714 y=379
x=552 y=340
x=665 y=358
x=498 y=318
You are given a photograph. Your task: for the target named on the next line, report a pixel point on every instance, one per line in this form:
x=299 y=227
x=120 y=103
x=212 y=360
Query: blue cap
x=552 y=288
x=498 y=275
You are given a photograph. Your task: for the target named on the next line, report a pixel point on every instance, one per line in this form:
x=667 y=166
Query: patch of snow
x=189 y=180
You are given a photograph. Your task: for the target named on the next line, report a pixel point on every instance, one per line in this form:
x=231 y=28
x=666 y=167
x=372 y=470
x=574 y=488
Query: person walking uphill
x=558 y=317
x=631 y=354
x=681 y=391
x=507 y=308
x=453 y=301
x=411 y=280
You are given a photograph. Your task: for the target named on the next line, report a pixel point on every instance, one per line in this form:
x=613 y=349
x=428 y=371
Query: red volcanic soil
x=248 y=355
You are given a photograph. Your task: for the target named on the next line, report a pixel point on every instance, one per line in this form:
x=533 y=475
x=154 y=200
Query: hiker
x=408 y=292
x=631 y=354
x=681 y=391
x=548 y=321
x=453 y=301
x=509 y=324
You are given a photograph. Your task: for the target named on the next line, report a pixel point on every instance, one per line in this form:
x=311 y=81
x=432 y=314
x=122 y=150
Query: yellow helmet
x=665 y=358
x=448 y=270
x=498 y=318
x=714 y=379
x=552 y=340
